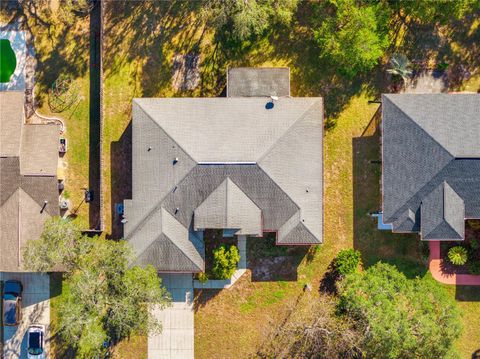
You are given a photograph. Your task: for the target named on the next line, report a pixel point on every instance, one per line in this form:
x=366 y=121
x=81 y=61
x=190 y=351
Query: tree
x=347 y=261
x=104 y=297
x=401 y=318
x=314 y=331
x=225 y=261
x=353 y=35
x=242 y=19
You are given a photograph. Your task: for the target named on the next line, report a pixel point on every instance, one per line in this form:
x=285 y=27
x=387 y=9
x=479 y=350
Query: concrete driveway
x=35 y=310
x=176 y=339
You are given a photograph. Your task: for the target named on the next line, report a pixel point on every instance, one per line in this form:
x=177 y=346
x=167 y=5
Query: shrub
x=347 y=261
x=474 y=244
x=474 y=267
x=202 y=277
x=401 y=318
x=225 y=260
x=458 y=255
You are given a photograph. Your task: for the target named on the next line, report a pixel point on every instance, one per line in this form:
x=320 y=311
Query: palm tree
x=400 y=67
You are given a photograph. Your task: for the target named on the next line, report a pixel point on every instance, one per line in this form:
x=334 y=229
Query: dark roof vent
x=175 y=160
x=269 y=105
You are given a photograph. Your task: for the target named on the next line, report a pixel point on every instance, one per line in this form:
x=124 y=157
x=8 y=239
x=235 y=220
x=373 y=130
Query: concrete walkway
x=435 y=266
x=176 y=339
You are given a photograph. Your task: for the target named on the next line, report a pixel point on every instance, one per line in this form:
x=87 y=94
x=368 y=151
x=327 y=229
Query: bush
x=347 y=261
x=401 y=318
x=202 y=277
x=474 y=244
x=458 y=255
x=474 y=267
x=225 y=261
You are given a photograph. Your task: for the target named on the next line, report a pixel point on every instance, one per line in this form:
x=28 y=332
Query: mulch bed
x=269 y=262
x=472 y=232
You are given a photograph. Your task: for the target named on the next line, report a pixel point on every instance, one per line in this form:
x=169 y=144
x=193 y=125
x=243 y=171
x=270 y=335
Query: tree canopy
x=401 y=318
x=242 y=19
x=105 y=298
x=353 y=35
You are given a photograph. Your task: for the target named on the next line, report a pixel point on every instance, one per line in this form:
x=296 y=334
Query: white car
x=36 y=342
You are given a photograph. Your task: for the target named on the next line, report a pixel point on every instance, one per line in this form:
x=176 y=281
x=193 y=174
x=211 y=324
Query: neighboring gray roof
x=39 y=150
x=223 y=162
x=427 y=155
x=11 y=119
x=258 y=82
x=22 y=191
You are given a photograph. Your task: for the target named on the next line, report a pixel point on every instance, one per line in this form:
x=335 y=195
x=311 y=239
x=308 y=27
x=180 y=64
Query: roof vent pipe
x=175 y=160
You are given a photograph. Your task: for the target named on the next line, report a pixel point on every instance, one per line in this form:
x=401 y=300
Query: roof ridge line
x=165 y=132
x=161 y=200
x=173 y=242
x=444 y=204
x=420 y=127
x=301 y=117
x=399 y=210
x=438 y=225
x=29 y=195
x=402 y=209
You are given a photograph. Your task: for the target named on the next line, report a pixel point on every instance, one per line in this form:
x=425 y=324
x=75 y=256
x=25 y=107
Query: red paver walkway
x=435 y=262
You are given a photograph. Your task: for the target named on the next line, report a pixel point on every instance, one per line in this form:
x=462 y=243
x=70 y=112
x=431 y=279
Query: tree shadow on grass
x=141 y=31
x=401 y=250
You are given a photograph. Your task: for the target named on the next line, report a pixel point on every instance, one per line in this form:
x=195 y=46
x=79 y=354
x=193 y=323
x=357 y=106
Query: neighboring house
x=431 y=163
x=231 y=163
x=28 y=183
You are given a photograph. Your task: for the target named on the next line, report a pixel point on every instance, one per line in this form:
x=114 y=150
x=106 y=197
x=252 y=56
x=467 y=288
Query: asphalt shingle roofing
x=28 y=162
x=431 y=163
x=222 y=163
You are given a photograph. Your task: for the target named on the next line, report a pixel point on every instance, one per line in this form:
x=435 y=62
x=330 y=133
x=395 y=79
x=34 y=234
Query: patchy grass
x=134 y=348
x=58 y=348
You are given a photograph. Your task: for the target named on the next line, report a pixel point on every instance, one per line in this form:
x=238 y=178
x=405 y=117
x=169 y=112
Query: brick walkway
x=435 y=266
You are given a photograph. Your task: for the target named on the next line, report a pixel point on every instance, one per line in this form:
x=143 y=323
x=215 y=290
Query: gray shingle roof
x=22 y=190
x=11 y=119
x=258 y=82
x=431 y=163
x=222 y=162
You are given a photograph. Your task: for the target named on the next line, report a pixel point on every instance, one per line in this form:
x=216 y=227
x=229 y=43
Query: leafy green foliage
x=242 y=19
x=474 y=244
x=401 y=318
x=458 y=255
x=202 y=277
x=59 y=244
x=354 y=37
x=474 y=267
x=107 y=298
x=225 y=261
x=429 y=12
x=347 y=261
